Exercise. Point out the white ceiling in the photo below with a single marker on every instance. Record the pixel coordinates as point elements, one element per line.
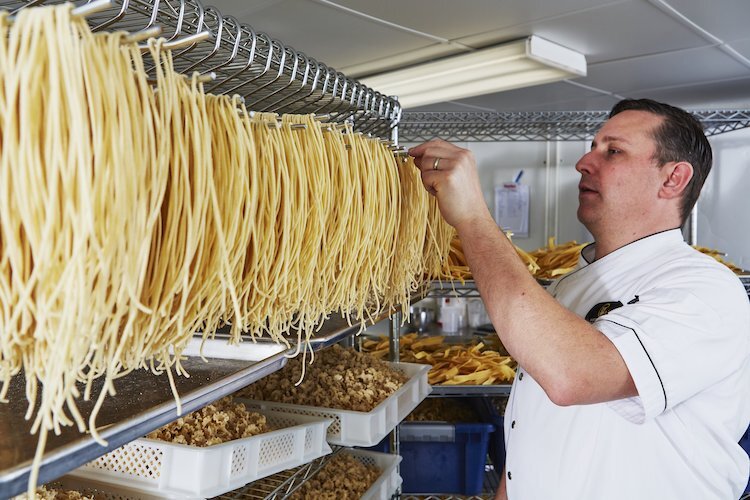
<point>691,53</point>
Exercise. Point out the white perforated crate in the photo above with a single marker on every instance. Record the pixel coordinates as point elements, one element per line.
<point>221,348</point>
<point>180,471</point>
<point>356,428</point>
<point>100,491</point>
<point>382,489</point>
<point>388,482</point>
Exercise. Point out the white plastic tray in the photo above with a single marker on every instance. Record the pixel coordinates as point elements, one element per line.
<point>382,489</point>
<point>389,481</point>
<point>356,428</point>
<point>172,470</point>
<point>99,490</point>
<point>246,350</point>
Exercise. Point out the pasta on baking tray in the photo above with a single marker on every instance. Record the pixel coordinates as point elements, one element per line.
<point>137,211</point>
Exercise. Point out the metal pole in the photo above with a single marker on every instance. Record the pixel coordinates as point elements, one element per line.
<point>394,331</point>
<point>694,225</point>
<point>394,343</point>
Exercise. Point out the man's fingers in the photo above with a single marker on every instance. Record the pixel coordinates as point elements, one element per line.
<point>430,181</point>
<point>425,155</point>
<point>417,151</point>
<point>432,162</point>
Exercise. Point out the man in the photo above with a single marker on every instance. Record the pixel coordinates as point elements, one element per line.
<point>634,370</point>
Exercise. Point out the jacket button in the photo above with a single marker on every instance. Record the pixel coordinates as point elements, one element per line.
<point>520,376</point>
<point>513,424</point>
<point>509,476</point>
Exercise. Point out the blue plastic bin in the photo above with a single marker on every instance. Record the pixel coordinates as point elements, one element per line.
<point>444,458</point>
<point>384,446</point>
<point>450,458</point>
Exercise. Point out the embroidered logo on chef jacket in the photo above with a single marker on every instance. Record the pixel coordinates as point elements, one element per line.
<point>603,308</point>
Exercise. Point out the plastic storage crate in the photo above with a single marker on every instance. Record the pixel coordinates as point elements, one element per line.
<point>444,458</point>
<point>283,484</point>
<point>356,428</point>
<point>382,489</point>
<point>172,470</point>
<point>386,485</point>
<point>221,348</point>
<point>100,491</point>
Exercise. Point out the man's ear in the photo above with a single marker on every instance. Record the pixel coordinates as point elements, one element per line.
<point>677,177</point>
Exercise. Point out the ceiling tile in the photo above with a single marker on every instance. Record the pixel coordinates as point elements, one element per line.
<point>615,31</point>
<point>729,94</point>
<point>742,46</point>
<point>665,70</point>
<point>632,46</point>
<point>559,96</point>
<point>452,19</point>
<point>724,19</point>
<point>331,36</point>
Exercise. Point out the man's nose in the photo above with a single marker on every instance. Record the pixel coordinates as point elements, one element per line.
<point>584,165</point>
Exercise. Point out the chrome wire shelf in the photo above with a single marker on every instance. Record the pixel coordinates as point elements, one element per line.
<point>268,74</point>
<point>144,403</point>
<point>536,126</point>
<point>453,289</point>
<point>280,485</point>
<point>467,288</point>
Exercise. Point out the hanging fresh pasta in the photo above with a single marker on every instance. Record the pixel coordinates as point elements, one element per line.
<point>137,212</point>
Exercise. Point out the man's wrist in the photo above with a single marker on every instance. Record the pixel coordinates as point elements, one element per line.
<point>475,222</point>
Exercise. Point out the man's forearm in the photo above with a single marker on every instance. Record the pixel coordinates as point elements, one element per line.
<point>509,291</point>
<point>573,362</point>
<point>564,353</point>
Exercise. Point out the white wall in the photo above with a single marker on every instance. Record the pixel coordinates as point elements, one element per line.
<point>549,188</point>
<point>724,205</point>
<point>499,162</point>
<point>723,209</point>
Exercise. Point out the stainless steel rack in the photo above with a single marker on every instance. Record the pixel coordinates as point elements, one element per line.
<point>282,484</point>
<point>268,74</point>
<point>453,289</point>
<point>335,329</point>
<point>465,289</point>
<point>144,402</point>
<point>535,126</point>
<point>271,77</point>
<point>462,391</point>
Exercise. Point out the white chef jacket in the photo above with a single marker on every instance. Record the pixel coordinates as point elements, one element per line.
<point>681,322</point>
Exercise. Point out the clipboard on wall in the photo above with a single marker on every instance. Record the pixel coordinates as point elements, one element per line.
<point>512,208</point>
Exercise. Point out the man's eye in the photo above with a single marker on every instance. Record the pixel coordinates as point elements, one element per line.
<point>613,151</point>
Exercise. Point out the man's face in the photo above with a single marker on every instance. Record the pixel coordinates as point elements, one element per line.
<point>619,177</point>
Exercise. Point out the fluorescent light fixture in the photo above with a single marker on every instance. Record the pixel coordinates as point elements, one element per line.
<point>522,63</point>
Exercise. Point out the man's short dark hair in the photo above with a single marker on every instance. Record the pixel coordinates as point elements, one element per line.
<point>680,137</point>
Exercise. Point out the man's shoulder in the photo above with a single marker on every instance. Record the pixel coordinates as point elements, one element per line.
<point>699,273</point>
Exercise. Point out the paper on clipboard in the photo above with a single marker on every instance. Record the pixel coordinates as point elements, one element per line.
<point>512,208</point>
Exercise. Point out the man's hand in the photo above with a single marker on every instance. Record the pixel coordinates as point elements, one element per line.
<point>450,173</point>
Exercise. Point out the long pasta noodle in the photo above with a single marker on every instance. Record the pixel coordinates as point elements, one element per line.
<point>137,212</point>
<point>338,236</point>
<point>408,263</point>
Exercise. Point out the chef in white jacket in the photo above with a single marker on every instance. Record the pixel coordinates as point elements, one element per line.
<point>634,369</point>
